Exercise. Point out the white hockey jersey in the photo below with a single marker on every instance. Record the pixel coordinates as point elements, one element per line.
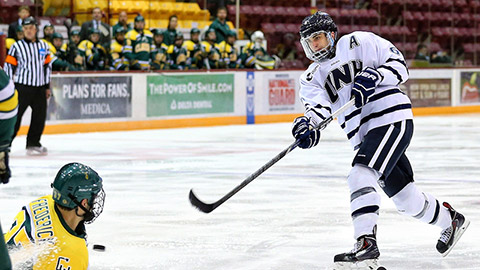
<point>326,86</point>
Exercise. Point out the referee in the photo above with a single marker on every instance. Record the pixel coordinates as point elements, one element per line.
<point>28,63</point>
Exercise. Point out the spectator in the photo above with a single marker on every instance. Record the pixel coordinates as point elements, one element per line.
<point>23,13</point>
<point>441,57</point>
<point>210,50</point>
<point>96,23</point>
<point>228,54</point>
<point>286,50</point>
<point>28,64</point>
<point>254,55</point>
<point>142,45</point>
<point>176,54</point>
<point>92,51</point>
<point>160,52</point>
<point>171,32</point>
<point>70,51</point>
<point>194,49</point>
<point>122,22</point>
<point>220,25</point>
<point>422,53</point>
<point>119,48</point>
<point>18,36</point>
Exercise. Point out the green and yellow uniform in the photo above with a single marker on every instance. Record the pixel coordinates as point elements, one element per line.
<point>94,55</point>
<point>8,109</point>
<point>5,262</point>
<point>118,25</point>
<point>9,42</point>
<point>70,53</point>
<point>40,223</point>
<point>211,53</point>
<point>256,57</point>
<point>169,36</point>
<point>177,57</point>
<point>160,61</point>
<point>118,54</point>
<point>142,49</point>
<point>195,54</point>
<point>228,55</point>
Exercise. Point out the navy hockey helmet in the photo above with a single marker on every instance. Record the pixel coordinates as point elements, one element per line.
<point>312,26</point>
<point>75,182</point>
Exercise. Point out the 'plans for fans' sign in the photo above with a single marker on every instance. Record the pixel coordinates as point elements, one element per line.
<point>281,94</point>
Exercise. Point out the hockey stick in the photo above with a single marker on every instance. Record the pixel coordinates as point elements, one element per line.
<point>209,207</point>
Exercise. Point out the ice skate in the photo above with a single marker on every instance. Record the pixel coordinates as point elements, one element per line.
<point>450,236</point>
<point>37,151</point>
<point>364,255</point>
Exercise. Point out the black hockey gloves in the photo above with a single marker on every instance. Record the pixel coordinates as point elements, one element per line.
<point>364,85</point>
<point>304,131</point>
<point>4,169</point>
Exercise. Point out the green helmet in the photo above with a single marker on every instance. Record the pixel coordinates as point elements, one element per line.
<point>75,182</point>
<point>231,33</point>
<point>94,31</point>
<point>194,31</point>
<point>48,25</point>
<point>139,18</point>
<point>178,35</point>
<point>57,35</point>
<point>75,32</point>
<point>157,32</point>
<point>120,30</point>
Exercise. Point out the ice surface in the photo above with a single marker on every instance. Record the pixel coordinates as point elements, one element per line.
<point>295,216</point>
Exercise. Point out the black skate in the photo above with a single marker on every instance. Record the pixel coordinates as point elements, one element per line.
<point>450,236</point>
<point>364,255</point>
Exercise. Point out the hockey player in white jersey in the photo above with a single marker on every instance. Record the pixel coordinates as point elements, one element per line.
<point>368,68</point>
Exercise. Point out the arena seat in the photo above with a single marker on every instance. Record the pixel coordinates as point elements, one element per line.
<point>280,28</point>
<point>246,10</point>
<point>82,5</point>
<point>281,11</point>
<point>117,6</point>
<point>268,28</point>
<point>469,47</point>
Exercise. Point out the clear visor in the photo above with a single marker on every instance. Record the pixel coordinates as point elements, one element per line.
<point>312,47</point>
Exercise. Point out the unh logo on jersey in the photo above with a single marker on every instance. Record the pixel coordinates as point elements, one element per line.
<point>341,76</point>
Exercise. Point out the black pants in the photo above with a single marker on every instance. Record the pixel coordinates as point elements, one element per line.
<point>36,98</point>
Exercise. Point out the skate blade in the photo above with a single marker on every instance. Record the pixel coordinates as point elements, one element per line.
<point>363,265</point>
<point>458,235</point>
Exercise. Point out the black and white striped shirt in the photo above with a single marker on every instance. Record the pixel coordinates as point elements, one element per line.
<point>28,63</point>
<point>326,86</point>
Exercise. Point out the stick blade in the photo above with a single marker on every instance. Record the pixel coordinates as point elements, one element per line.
<point>203,207</point>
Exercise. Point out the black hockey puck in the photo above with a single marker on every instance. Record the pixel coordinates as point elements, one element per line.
<point>99,247</point>
<point>381,268</point>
